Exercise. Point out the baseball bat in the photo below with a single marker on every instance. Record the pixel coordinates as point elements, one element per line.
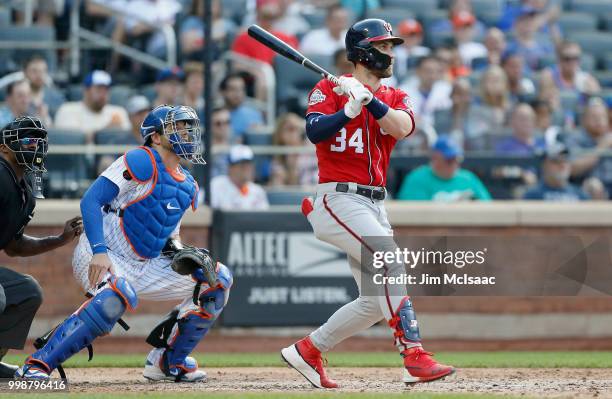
<point>269,40</point>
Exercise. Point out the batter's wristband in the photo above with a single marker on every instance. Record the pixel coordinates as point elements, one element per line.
<point>99,249</point>
<point>377,108</point>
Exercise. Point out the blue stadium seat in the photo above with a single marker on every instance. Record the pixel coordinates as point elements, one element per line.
<point>74,92</point>
<point>14,58</point>
<point>606,21</point>
<point>5,16</point>
<point>587,62</point>
<point>149,92</point>
<point>595,7</point>
<point>392,15</point>
<point>577,21</point>
<point>607,61</point>
<point>115,137</point>
<point>293,84</point>
<point>286,197</point>
<point>120,94</point>
<point>604,78</point>
<point>234,9</point>
<point>431,16</point>
<point>67,175</point>
<point>417,7</point>
<point>486,6</point>
<point>257,139</point>
<point>596,43</point>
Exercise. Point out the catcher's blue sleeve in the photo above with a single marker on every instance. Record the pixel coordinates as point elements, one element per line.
<point>320,127</point>
<point>100,193</point>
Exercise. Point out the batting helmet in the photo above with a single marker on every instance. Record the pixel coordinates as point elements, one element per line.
<point>359,39</point>
<point>26,137</point>
<point>181,125</point>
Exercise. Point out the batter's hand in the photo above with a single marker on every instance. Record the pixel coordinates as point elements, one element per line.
<point>345,85</point>
<point>361,94</point>
<point>72,229</point>
<point>99,265</point>
<point>352,108</point>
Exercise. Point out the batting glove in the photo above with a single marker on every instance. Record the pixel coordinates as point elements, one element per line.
<point>361,94</point>
<point>345,84</point>
<point>352,108</point>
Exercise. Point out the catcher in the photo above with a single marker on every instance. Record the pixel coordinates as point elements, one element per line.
<point>131,250</point>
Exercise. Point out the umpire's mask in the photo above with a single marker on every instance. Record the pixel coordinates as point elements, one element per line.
<point>26,137</point>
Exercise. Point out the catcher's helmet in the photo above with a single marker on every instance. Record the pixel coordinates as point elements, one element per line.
<point>26,137</point>
<point>185,137</point>
<point>359,39</point>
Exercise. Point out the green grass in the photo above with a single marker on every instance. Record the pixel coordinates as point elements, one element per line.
<point>263,395</point>
<point>367,359</point>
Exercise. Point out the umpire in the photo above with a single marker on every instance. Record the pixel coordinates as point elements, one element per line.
<point>23,148</point>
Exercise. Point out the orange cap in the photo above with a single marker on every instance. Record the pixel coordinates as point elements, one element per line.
<point>463,18</point>
<point>409,26</point>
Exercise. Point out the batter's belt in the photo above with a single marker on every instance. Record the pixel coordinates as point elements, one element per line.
<point>374,193</point>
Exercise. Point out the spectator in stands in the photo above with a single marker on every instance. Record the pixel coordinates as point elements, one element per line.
<point>327,40</point>
<point>545,121</point>
<point>236,190</point>
<point>291,21</point>
<point>589,146</point>
<point>93,113</point>
<point>522,89</point>
<point>595,189</point>
<point>408,53</point>
<point>495,43</point>
<point>221,133</point>
<point>464,33</point>
<point>46,99</point>
<point>268,12</point>
<point>443,179</point>
<point>523,141</point>
<point>457,6</point>
<point>191,33</point>
<point>428,92</point>
<point>44,11</point>
<point>342,65</point>
<point>455,121</point>
<point>456,67</point>
<point>491,107</point>
<point>169,86</point>
<point>18,102</point>
<point>546,19</point>
<point>292,169</point>
<point>534,49</point>
<point>137,108</point>
<point>244,118</point>
<point>193,95</point>
<point>567,76</point>
<point>555,173</point>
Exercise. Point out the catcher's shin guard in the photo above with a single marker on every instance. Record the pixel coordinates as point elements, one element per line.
<point>193,325</point>
<point>94,318</point>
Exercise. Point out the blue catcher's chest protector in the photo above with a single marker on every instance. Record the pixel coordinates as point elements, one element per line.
<point>148,222</point>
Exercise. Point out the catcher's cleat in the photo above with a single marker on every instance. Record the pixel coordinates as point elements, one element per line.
<point>420,367</point>
<point>31,372</point>
<point>306,359</point>
<point>156,370</point>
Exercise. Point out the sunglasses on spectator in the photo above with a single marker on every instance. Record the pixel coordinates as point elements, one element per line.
<point>223,122</point>
<point>568,58</point>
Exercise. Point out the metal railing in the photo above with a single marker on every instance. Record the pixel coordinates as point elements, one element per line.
<point>84,39</point>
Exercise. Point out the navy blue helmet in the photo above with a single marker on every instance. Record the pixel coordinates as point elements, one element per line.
<point>359,39</point>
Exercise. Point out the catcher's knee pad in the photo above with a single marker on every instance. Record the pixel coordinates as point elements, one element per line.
<point>94,318</point>
<point>404,323</point>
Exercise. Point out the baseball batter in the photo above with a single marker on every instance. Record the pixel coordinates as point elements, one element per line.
<point>355,126</point>
<point>131,215</point>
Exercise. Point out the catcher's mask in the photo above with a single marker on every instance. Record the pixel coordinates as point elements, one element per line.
<point>181,125</point>
<point>26,137</point>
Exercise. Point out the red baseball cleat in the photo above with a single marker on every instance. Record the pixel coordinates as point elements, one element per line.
<point>306,359</point>
<point>420,367</point>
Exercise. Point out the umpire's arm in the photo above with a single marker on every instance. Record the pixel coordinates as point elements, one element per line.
<point>25,245</point>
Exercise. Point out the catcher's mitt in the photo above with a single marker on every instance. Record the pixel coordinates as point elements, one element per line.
<point>197,262</point>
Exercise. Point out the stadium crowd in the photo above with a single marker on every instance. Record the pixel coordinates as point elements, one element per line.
<point>491,82</point>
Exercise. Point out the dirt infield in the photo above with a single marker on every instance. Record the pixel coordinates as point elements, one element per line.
<point>561,383</point>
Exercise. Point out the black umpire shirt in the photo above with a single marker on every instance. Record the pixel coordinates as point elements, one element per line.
<point>16,204</point>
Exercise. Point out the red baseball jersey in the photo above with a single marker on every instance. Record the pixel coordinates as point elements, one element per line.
<point>360,151</point>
